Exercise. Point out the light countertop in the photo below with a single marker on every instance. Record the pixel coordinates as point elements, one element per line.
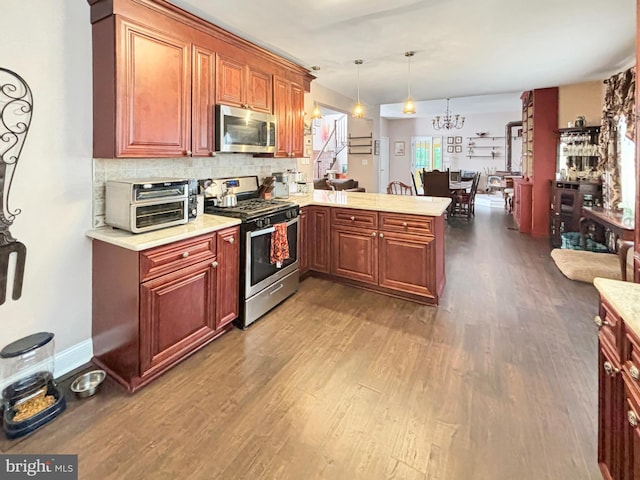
<point>142,241</point>
<point>624,297</point>
<point>380,202</point>
<point>414,205</point>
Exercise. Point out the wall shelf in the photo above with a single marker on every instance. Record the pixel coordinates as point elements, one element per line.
<point>360,142</point>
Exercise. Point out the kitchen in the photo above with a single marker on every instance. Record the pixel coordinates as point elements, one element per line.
<point>64,169</point>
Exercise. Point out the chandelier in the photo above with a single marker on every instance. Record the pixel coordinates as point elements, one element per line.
<point>448,122</point>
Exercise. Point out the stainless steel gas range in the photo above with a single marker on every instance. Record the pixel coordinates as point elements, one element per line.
<point>263,283</point>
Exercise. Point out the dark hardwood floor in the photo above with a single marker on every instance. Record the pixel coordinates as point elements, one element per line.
<point>498,383</point>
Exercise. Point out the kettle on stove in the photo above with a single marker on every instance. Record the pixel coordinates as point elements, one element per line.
<point>229,198</point>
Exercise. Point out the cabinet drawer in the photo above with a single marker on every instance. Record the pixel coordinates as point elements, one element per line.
<point>610,326</point>
<point>394,222</point>
<point>167,258</point>
<point>631,359</point>
<point>354,218</point>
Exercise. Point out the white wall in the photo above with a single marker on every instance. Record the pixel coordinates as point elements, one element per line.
<point>49,44</point>
<point>405,129</point>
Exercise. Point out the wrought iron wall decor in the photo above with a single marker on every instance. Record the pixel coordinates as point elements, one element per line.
<point>16,106</point>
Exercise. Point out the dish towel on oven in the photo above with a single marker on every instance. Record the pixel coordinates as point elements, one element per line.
<point>279,245</point>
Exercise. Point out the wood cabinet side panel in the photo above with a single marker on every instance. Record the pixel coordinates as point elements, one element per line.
<point>104,88</point>
<point>297,120</point>
<point>228,276</point>
<point>281,108</point>
<point>115,308</point>
<point>303,232</point>
<point>203,101</point>
<point>319,239</point>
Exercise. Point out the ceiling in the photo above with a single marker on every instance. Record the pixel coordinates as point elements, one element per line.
<point>463,47</point>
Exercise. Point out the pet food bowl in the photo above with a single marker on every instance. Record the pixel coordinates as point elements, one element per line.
<point>87,384</point>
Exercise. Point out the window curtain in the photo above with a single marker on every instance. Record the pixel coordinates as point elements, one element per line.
<point>619,99</point>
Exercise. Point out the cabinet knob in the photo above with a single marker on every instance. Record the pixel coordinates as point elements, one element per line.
<point>634,372</point>
<point>632,418</point>
<point>214,264</point>
<point>599,322</point>
<point>352,218</point>
<point>404,224</point>
<point>185,254</point>
<point>231,239</point>
<point>187,153</point>
<point>373,234</point>
<point>610,369</point>
<point>382,235</point>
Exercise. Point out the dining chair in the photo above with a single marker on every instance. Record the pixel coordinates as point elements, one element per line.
<point>436,183</point>
<point>455,176</point>
<point>399,188</point>
<point>464,202</point>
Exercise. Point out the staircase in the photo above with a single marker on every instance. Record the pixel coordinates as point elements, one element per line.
<point>326,158</point>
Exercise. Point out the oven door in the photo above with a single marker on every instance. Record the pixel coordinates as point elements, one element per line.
<point>260,272</point>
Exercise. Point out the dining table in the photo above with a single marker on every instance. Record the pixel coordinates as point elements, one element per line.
<point>454,187</point>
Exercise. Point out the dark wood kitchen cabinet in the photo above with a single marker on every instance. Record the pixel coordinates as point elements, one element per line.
<point>303,242</point>
<point>407,241</point>
<point>241,85</point>
<point>228,250</point>
<point>157,99</point>
<point>153,308</point>
<point>288,104</point>
<point>158,72</point>
<point>392,253</point>
<point>354,245</point>
<point>618,386</point>
<point>319,239</point>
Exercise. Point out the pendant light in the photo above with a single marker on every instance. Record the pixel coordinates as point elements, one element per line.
<point>409,107</point>
<point>315,113</point>
<point>358,109</point>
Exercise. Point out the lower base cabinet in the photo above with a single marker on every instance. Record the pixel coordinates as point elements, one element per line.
<point>153,308</point>
<point>397,254</point>
<point>618,397</point>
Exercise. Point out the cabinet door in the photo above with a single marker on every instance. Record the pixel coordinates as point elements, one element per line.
<point>319,241</point>
<point>259,91</point>
<point>176,315</point>
<point>303,254</point>
<point>202,101</point>
<point>631,432</point>
<point>230,82</point>
<point>610,414</point>
<point>282,109</point>
<point>407,263</point>
<point>355,254</point>
<point>296,134</point>
<point>228,276</point>
<point>154,93</point>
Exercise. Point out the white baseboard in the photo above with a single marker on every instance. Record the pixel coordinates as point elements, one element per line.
<point>73,357</point>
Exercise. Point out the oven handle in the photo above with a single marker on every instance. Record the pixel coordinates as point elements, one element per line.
<point>264,231</point>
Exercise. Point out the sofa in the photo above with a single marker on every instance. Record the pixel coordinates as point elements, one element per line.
<point>346,184</point>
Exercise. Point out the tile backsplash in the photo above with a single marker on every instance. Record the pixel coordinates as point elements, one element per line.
<point>222,165</point>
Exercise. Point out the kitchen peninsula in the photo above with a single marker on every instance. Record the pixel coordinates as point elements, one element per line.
<point>390,244</point>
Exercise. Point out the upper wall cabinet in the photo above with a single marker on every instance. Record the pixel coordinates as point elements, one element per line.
<point>241,85</point>
<point>158,72</point>
<point>159,100</point>
<point>288,106</point>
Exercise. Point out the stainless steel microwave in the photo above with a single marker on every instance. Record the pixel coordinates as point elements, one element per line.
<point>242,130</point>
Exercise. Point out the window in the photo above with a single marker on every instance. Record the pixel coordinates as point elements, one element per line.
<point>426,154</point>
